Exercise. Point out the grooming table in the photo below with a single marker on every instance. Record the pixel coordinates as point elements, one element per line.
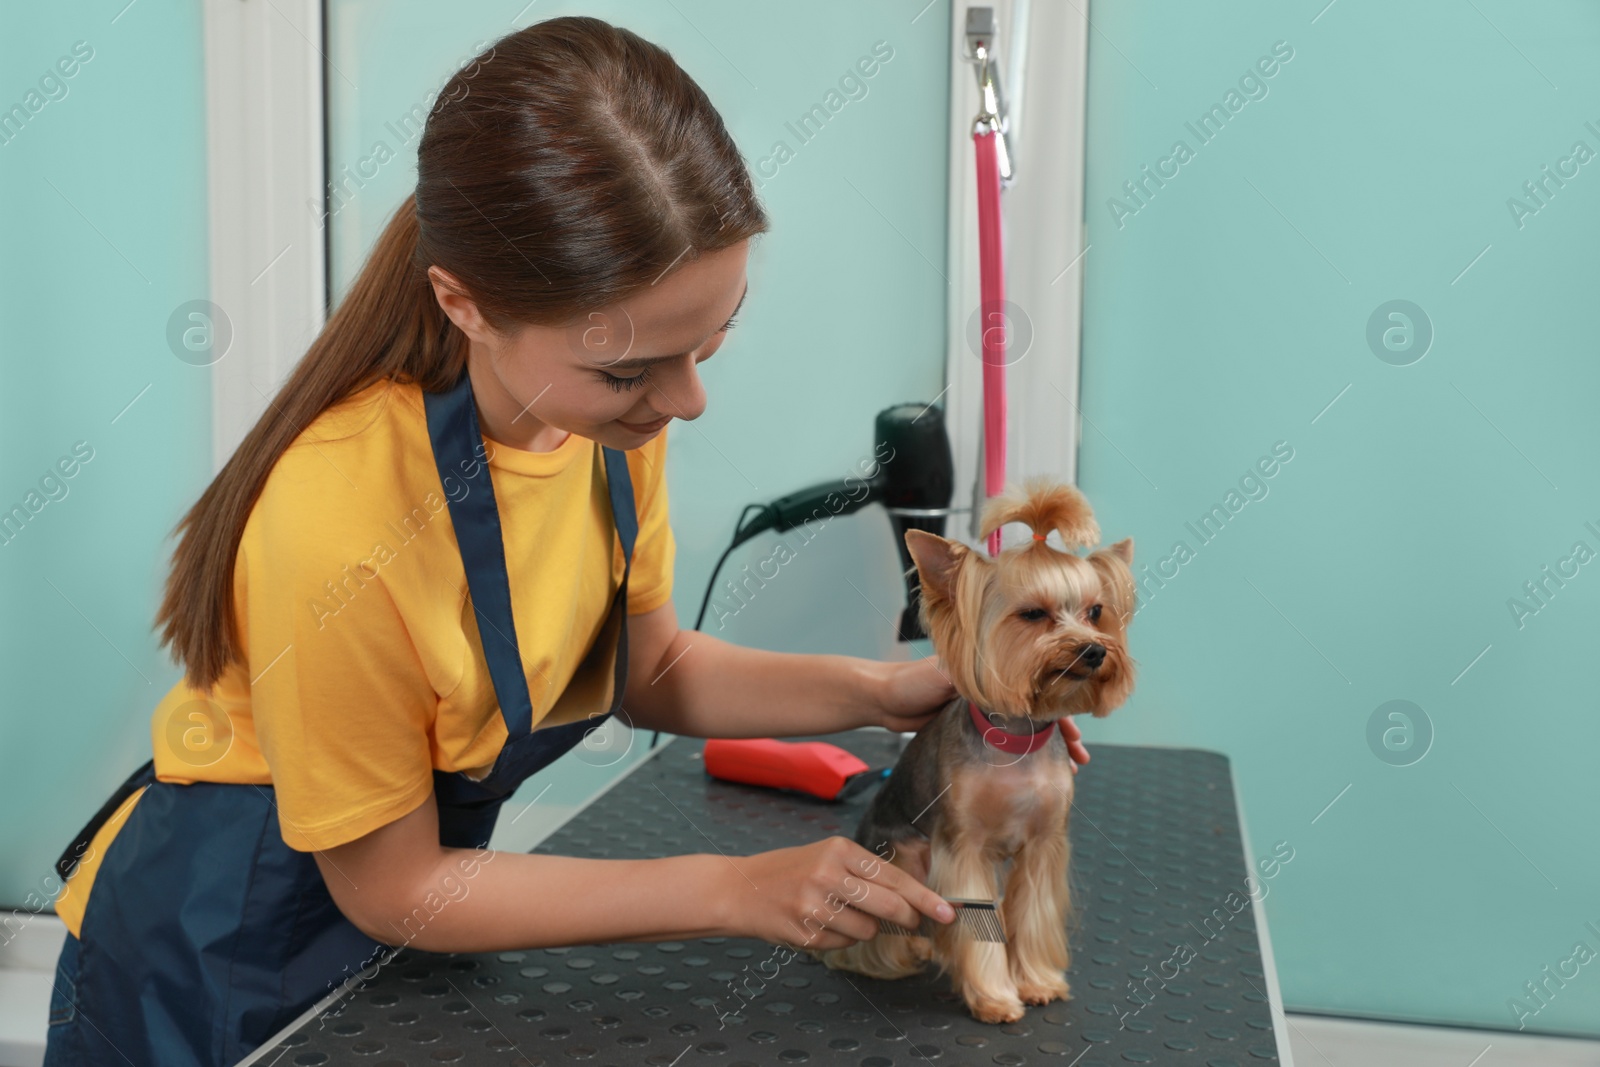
<point>1156,851</point>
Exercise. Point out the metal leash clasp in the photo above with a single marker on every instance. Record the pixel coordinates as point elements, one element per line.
<point>992,116</point>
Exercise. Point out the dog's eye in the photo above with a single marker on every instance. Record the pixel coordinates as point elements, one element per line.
<point>1033,614</point>
<point>1094,613</point>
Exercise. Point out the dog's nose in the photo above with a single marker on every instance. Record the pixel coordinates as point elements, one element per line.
<point>1092,655</point>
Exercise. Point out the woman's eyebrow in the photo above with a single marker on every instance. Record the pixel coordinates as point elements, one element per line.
<point>644,361</point>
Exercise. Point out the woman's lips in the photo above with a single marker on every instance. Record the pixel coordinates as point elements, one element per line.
<point>645,427</point>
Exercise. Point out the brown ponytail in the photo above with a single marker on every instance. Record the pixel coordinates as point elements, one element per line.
<point>561,171</point>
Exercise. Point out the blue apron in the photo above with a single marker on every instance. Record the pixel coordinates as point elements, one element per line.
<point>205,934</point>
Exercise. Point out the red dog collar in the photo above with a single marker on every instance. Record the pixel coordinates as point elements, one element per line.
<point>1020,744</point>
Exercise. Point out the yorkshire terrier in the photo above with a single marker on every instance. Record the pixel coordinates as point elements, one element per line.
<point>1028,638</point>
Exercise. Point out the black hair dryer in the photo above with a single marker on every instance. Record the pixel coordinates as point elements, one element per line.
<point>918,484</point>
<point>914,481</point>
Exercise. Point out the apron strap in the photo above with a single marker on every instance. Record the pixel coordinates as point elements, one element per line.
<point>459,453</point>
<point>68,863</point>
<point>620,484</point>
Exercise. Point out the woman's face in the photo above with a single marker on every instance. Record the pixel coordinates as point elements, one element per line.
<point>616,377</point>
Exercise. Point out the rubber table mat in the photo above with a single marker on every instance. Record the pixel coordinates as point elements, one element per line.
<point>1163,969</point>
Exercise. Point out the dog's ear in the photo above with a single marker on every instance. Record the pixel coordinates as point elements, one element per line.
<point>1113,683</point>
<point>1117,585</point>
<point>938,562</point>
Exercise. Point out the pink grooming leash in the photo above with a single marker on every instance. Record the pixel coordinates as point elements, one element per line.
<point>991,271</point>
<point>994,167</point>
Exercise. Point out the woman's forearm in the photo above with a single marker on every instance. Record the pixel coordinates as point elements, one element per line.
<point>713,688</point>
<point>487,901</point>
<point>400,887</point>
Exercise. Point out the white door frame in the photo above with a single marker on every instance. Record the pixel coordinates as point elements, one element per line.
<point>1043,52</point>
<point>266,156</point>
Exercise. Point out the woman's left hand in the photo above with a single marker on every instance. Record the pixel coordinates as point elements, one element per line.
<point>1075,746</point>
<point>912,693</point>
<point>915,691</point>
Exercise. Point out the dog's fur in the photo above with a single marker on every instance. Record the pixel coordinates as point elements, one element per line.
<point>1015,635</point>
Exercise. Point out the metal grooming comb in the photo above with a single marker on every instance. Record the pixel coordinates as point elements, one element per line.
<point>977,917</point>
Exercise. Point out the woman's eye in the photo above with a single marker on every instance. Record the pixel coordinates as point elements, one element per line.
<point>618,384</point>
<point>1094,613</point>
<point>730,324</point>
<point>1033,614</point>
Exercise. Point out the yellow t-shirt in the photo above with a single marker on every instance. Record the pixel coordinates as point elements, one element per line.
<point>364,670</point>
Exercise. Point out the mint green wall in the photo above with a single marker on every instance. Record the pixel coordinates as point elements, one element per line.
<point>1226,314</point>
<point>103,237</point>
<point>1223,316</point>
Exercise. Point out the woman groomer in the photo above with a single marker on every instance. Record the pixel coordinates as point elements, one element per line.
<point>440,558</point>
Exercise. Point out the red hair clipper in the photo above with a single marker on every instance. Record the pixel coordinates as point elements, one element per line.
<point>815,768</point>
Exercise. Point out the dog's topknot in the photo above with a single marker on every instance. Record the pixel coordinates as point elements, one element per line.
<point>1044,505</point>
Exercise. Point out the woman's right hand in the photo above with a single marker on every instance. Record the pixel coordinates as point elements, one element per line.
<point>828,894</point>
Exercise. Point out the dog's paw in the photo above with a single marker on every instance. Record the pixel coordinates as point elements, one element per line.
<point>1044,992</point>
<point>987,1008</point>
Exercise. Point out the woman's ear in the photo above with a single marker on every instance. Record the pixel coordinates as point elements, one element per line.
<point>458,306</point>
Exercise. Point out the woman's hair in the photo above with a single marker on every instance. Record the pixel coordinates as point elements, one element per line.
<point>563,170</point>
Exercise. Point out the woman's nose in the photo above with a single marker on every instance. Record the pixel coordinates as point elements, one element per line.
<point>681,392</point>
